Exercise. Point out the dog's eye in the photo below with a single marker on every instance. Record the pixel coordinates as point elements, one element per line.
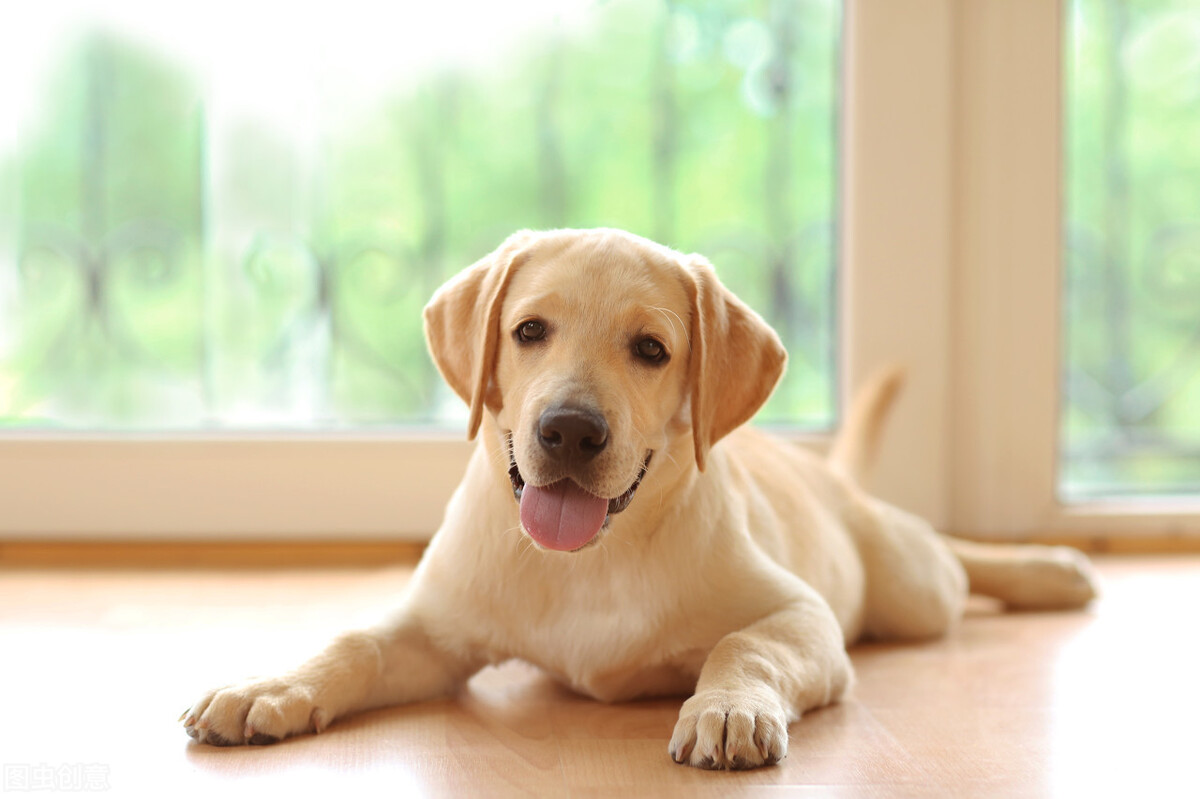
<point>651,350</point>
<point>532,330</point>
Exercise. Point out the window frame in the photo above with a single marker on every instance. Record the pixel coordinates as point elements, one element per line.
<point>951,260</point>
<point>980,265</point>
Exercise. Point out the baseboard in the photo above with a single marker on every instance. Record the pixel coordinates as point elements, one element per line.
<point>193,554</point>
<point>354,553</point>
<point>1097,544</point>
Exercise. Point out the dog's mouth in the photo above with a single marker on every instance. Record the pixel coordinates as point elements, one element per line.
<point>562,515</point>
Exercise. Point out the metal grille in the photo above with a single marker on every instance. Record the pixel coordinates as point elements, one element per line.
<point>1131,422</point>
<point>176,262</point>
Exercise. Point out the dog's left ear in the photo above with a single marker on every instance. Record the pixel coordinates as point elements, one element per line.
<point>736,360</point>
<point>462,325</point>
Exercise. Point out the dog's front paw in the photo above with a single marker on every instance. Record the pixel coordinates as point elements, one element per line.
<point>730,729</point>
<point>253,712</point>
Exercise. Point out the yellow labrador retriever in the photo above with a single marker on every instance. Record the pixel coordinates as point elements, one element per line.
<point>619,527</point>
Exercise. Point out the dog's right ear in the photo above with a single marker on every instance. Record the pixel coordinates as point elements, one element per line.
<point>462,325</point>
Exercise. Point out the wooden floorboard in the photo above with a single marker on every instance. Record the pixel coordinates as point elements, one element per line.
<point>96,665</point>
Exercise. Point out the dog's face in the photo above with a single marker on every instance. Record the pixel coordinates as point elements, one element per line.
<point>593,351</point>
<point>592,366</point>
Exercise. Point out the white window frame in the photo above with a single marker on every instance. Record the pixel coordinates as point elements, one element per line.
<point>953,241</point>
<point>951,256</point>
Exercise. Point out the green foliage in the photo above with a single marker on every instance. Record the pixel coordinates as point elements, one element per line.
<point>179,268</point>
<point>164,263</point>
<point>1132,421</point>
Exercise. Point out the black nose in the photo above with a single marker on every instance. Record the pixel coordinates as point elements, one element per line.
<point>569,433</point>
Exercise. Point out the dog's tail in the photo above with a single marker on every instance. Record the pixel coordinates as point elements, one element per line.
<point>854,449</point>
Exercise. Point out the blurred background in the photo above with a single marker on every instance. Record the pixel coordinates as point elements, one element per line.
<point>234,220</point>
<point>230,218</point>
<point>1131,315</point>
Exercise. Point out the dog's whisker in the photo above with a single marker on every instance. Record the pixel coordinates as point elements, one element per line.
<point>525,546</point>
<point>505,447</point>
<point>671,318</point>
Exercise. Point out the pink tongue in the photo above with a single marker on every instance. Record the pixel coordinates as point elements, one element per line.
<point>562,516</point>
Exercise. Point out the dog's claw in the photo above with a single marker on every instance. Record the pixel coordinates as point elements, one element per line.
<point>256,712</point>
<point>727,730</point>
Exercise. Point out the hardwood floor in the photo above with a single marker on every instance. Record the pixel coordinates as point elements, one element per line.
<point>95,666</point>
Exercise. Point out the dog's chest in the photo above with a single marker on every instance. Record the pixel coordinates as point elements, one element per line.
<point>612,636</point>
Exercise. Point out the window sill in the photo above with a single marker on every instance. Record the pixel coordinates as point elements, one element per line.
<point>255,486</point>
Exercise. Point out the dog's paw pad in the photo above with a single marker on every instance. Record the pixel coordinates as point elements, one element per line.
<point>261,739</point>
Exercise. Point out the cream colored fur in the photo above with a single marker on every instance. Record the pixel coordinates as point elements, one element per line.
<point>740,570</point>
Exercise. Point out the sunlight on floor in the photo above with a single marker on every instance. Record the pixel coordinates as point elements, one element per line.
<point>1125,694</point>
<point>98,666</point>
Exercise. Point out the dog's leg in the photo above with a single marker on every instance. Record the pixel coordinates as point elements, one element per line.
<point>758,680</point>
<point>1026,576</point>
<point>916,588</point>
<point>390,664</point>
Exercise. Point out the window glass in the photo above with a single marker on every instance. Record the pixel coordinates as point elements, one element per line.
<point>232,218</point>
<point>1131,380</point>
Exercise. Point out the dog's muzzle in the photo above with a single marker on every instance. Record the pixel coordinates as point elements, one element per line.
<point>562,515</point>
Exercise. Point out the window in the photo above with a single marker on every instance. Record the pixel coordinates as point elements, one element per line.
<point>1132,248</point>
<point>1049,351</point>
<point>955,245</point>
<point>233,222</point>
<point>217,231</point>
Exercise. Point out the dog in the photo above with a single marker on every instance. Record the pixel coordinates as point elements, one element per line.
<point>621,527</point>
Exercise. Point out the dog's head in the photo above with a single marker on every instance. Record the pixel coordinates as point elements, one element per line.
<point>598,354</point>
